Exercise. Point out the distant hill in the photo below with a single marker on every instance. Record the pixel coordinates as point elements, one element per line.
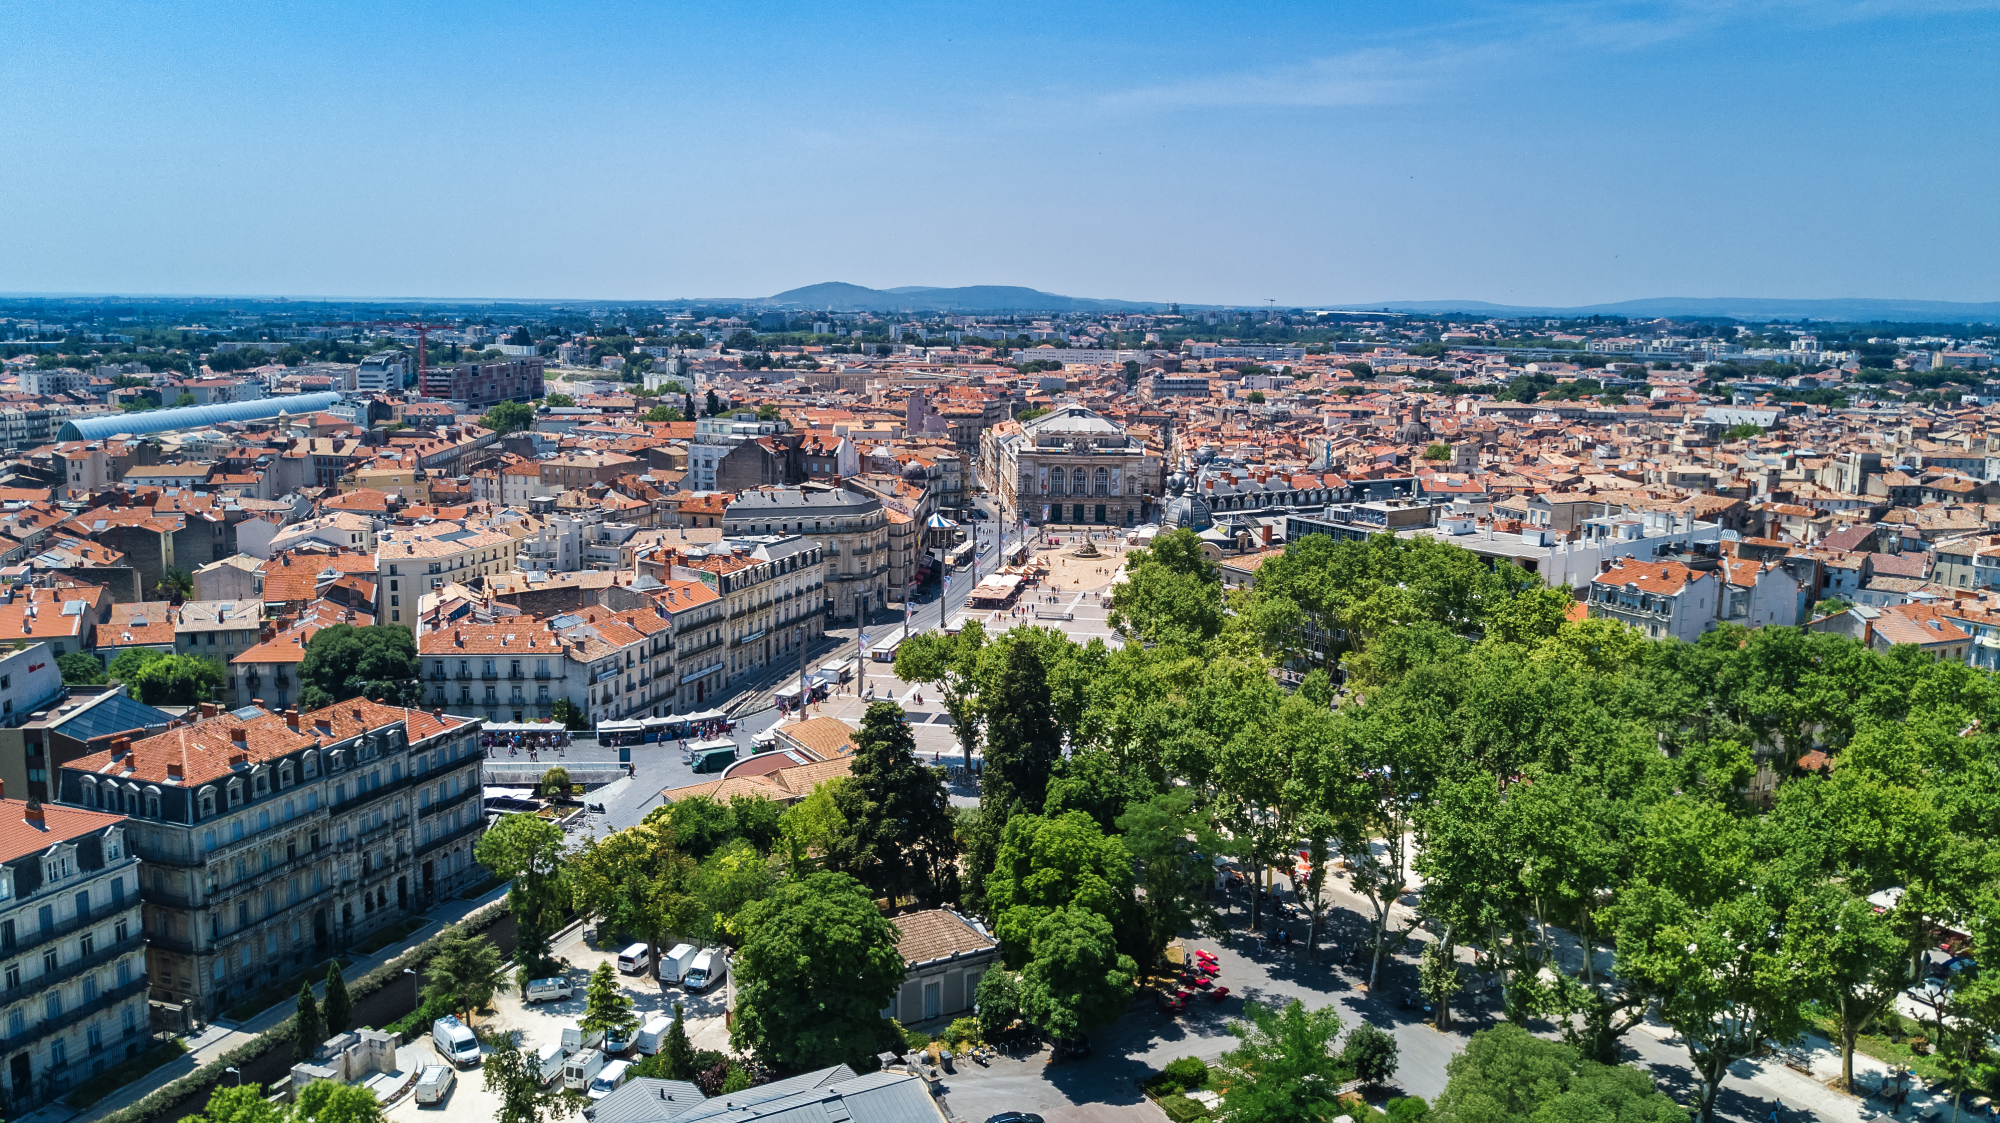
<point>839,296</point>
<point>1856,309</point>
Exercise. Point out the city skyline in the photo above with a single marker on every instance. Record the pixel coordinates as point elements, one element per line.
<point>1519,154</point>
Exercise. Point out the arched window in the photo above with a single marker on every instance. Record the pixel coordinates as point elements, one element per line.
<point>207,803</point>
<point>152,803</point>
<point>1103,482</point>
<point>262,781</point>
<point>1078,482</point>
<point>1056,482</point>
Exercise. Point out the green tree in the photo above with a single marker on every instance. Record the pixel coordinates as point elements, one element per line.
<point>1831,606</point>
<point>1437,450</point>
<point>1076,978</point>
<point>949,663</point>
<point>700,825</point>
<point>727,882</point>
<point>664,413</point>
<point>1167,839</point>
<point>1742,432</point>
<point>377,661</point>
<point>606,1008</point>
<point>1023,739</point>
<point>812,978</point>
<point>329,1101</point>
<point>714,404</point>
<point>80,668</point>
<point>242,1103</point>
<point>678,1050</point>
<point>1257,397</point>
<point>906,834</point>
<point>1172,593</point>
<point>559,401</point>
<point>815,831</point>
<point>184,400</point>
<point>999,1001</point>
<point>1283,1068</point>
<point>570,715</point>
<point>1369,1054</point>
<point>767,412</point>
<point>508,417</point>
<point>177,583</point>
<point>1046,865</point>
<point>527,851</point>
<point>1861,960</point>
<point>159,678</point>
<point>636,881</point>
<point>1507,1075</point>
<point>555,782</point>
<point>464,973</point>
<point>339,1009</point>
<point>309,1028</point>
<point>517,1079</point>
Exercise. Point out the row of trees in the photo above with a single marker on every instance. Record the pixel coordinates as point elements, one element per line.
<point>1561,784</point>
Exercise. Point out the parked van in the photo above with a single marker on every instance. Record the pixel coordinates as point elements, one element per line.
<point>675,963</point>
<point>618,1041</point>
<point>609,1079</point>
<point>573,1040</point>
<point>547,990</point>
<point>582,1069</point>
<point>706,971</point>
<point>434,1083</point>
<point>634,959</point>
<point>549,1062</point>
<point>454,1041</point>
<point>653,1035</point>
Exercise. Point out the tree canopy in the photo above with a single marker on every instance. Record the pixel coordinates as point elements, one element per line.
<point>374,661</point>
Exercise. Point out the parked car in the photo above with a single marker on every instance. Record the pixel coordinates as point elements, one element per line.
<point>547,990</point>
<point>635,959</point>
<point>582,1068</point>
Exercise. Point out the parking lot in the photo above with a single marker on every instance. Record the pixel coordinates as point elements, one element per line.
<point>542,1024</point>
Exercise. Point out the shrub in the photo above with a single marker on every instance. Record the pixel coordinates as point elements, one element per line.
<point>914,1041</point>
<point>962,1033</point>
<point>1407,1109</point>
<point>1370,1054</point>
<point>1188,1072</point>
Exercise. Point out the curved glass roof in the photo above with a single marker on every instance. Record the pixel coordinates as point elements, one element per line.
<point>148,422</point>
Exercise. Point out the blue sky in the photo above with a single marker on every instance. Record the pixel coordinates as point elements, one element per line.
<point>1534,153</point>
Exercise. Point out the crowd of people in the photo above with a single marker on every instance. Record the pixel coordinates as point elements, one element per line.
<point>532,743</point>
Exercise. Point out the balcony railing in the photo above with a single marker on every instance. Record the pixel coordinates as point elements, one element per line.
<point>25,941</point>
<point>111,950</point>
<point>72,1016</point>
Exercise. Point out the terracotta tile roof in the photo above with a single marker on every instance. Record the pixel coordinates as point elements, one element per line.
<point>295,576</point>
<point>824,737</point>
<point>20,836</point>
<point>203,751</point>
<point>785,785</point>
<point>1668,578</point>
<point>937,934</point>
<point>139,624</point>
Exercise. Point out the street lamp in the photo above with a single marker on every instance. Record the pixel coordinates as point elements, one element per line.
<point>416,990</point>
<point>238,1074</point>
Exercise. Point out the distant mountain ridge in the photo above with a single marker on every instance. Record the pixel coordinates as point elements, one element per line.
<point>839,296</point>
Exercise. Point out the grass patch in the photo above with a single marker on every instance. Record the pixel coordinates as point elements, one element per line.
<point>1180,1109</point>
<point>270,996</point>
<point>112,1079</point>
<point>395,933</point>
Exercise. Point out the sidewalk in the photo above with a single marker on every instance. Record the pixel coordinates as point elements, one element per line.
<point>221,1036</point>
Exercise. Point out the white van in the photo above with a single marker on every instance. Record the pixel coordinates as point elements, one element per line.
<point>454,1041</point>
<point>675,963</point>
<point>573,1040</point>
<point>653,1035</point>
<point>434,1083</point>
<point>608,1079</point>
<point>547,990</point>
<point>549,1063</point>
<point>582,1069</point>
<point>618,1041</point>
<point>707,970</point>
<point>634,959</point>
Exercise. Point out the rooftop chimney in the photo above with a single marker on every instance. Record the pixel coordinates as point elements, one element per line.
<point>208,709</point>
<point>34,815</point>
<point>175,771</point>
<point>292,720</point>
<point>120,746</point>
<point>240,734</point>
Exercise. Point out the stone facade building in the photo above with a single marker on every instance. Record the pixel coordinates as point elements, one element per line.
<point>1070,466</point>
<point>270,840</point>
<point>850,527</point>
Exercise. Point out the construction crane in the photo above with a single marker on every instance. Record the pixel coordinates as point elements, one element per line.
<point>423,350</point>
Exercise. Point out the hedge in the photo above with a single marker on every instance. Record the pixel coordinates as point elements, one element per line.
<point>280,1035</point>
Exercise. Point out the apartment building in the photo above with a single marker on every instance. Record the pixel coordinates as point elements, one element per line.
<point>1660,598</point>
<point>850,527</point>
<point>412,561</point>
<point>71,948</point>
<point>271,840</point>
<point>773,592</point>
<point>479,385</point>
